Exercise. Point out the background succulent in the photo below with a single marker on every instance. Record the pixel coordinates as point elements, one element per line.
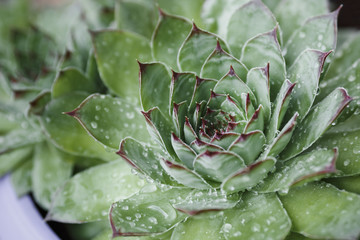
<point>250,145</point>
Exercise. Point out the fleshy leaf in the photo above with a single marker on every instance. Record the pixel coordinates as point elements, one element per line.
<point>349,149</point>
<point>144,158</point>
<point>217,166</point>
<point>256,122</point>
<point>303,38</point>
<point>248,146</point>
<point>66,133</point>
<point>182,87</point>
<point>265,49</point>
<point>136,16</point>
<point>21,178</point>
<point>248,177</point>
<point>184,176</point>
<point>169,34</point>
<point>71,80</point>
<point>199,201</point>
<point>196,49</point>
<point>210,224</point>
<point>350,183</point>
<point>116,54</point>
<point>50,170</point>
<point>279,110</point>
<point>149,211</point>
<point>305,72</point>
<point>256,217</point>
<point>259,83</point>
<point>97,113</point>
<point>156,77</point>
<point>291,14</point>
<point>20,137</point>
<point>6,93</point>
<point>224,140</point>
<point>244,24</point>
<point>331,214</point>
<point>84,198</point>
<point>316,122</point>
<point>183,151</point>
<point>11,159</point>
<point>314,164</point>
<point>218,64</point>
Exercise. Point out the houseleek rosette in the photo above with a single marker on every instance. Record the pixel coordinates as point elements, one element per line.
<point>247,138</point>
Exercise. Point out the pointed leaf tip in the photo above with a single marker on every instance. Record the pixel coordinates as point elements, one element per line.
<point>231,71</point>
<point>72,113</point>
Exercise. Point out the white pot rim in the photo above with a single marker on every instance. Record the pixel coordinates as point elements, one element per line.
<point>19,218</point>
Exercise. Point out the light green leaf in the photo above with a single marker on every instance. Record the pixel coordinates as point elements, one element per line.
<point>331,214</point>
<point>66,133</point>
<point>144,158</point>
<point>218,64</point>
<point>149,211</point>
<point>259,83</point>
<point>183,151</point>
<point>265,49</point>
<point>279,109</point>
<point>244,24</point>
<point>84,198</point>
<point>50,170</point>
<point>116,54</point>
<point>136,16</point>
<point>325,27</point>
<point>97,113</point>
<point>71,80</point>
<point>210,224</point>
<point>217,166</point>
<point>21,178</point>
<point>182,87</point>
<point>317,163</point>
<point>6,93</point>
<point>257,217</point>
<point>248,146</point>
<point>291,14</point>
<point>256,122</point>
<point>184,176</point>
<point>196,48</point>
<point>168,36</point>
<point>11,159</point>
<point>305,72</point>
<point>316,122</point>
<point>249,177</point>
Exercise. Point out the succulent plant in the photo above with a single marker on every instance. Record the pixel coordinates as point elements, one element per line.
<point>253,122</point>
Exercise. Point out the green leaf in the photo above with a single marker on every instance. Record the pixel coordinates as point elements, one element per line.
<point>317,163</point>
<point>136,16</point>
<point>6,94</point>
<point>349,149</point>
<point>258,216</point>
<point>11,159</point>
<point>217,166</point>
<point>21,178</point>
<point>331,214</point>
<point>184,176</point>
<point>97,113</point>
<point>84,198</point>
<point>282,139</point>
<point>71,80</point>
<point>199,201</point>
<point>350,183</point>
<point>291,14</point>
<point>182,87</point>
<point>116,54</point>
<point>66,133</point>
<point>279,109</point>
<point>183,151</point>
<point>249,176</point>
<point>218,64</point>
<point>265,49</point>
<point>224,140</point>
<point>196,48</point>
<point>248,146</point>
<point>144,158</point>
<point>305,72</point>
<point>248,17</point>
<point>170,33</point>
<point>149,211</point>
<point>210,224</point>
<point>256,122</point>
<point>325,27</point>
<point>50,170</point>
<point>37,105</point>
<point>316,122</point>
<point>188,8</point>
<point>259,83</point>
